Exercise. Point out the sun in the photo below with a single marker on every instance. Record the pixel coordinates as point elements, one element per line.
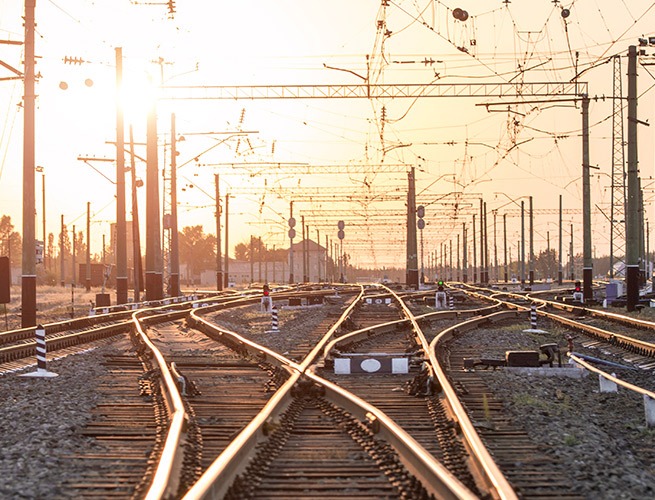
<point>136,95</point>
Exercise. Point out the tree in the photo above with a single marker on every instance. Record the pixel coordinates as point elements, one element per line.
<point>242,251</point>
<point>10,242</point>
<point>547,264</point>
<point>197,250</point>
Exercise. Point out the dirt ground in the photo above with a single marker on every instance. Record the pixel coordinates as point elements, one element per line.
<point>53,303</point>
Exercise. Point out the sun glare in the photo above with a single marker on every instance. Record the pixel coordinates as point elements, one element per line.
<point>136,97</point>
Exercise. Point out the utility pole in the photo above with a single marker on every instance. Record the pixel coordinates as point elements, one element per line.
<point>327,279</point>
<point>219,266</point>
<point>227,259</point>
<point>632,211</point>
<point>475,264</point>
<point>260,251</point>
<point>87,281</point>
<point>506,273</point>
<point>28,279</point>
<point>411,279</point>
<point>174,278</point>
<point>252,259</point>
<point>136,235</point>
<point>587,269</point>
<point>154,271</point>
<point>318,254</point>
<point>74,278</point>
<point>483,246</point>
<point>531,263</point>
<point>450,256</point>
<point>486,245</point>
<point>572,260</point>
<point>617,213</point>
<point>121,232</point>
<point>305,251</point>
<point>560,271</point>
<point>62,262</point>
<point>458,261</point>
<point>292,233</point>
<point>495,212</point>
<point>465,275</point>
<point>522,243</point>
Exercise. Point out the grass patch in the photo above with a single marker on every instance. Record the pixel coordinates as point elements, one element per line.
<point>570,440</point>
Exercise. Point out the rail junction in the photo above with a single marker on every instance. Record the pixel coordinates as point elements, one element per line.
<point>364,391</point>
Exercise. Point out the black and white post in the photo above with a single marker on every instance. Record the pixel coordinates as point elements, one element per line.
<point>533,320</point>
<point>274,320</point>
<point>41,370</point>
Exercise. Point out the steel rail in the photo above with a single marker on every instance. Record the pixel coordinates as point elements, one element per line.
<point>364,333</point>
<point>488,471</point>
<point>435,477</point>
<point>617,381</point>
<point>13,352</point>
<point>624,341</point>
<point>215,481</point>
<point>166,479</point>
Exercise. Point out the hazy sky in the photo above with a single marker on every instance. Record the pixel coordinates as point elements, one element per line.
<point>462,151</point>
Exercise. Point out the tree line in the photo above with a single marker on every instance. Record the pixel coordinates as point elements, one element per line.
<point>198,251</point>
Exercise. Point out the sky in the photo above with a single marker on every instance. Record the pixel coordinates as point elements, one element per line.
<point>336,159</point>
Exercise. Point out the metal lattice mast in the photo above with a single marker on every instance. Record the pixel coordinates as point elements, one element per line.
<point>617,214</point>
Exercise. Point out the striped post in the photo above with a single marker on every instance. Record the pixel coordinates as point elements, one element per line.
<point>533,316</point>
<point>274,323</point>
<point>451,302</point>
<point>40,356</point>
<point>40,348</point>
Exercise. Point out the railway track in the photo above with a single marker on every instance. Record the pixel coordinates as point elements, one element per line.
<point>373,456</point>
<point>222,396</point>
<point>540,475</point>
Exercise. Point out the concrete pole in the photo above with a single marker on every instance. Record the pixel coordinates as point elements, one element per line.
<point>464,255</point>
<point>475,261</point>
<point>560,271</point>
<point>219,260</point>
<point>74,277</point>
<point>136,234</point>
<point>28,279</point>
<point>252,259</point>
<point>318,254</point>
<point>483,275</point>
<point>326,258</point>
<point>531,256</point>
<point>486,244</point>
<point>572,260</point>
<point>304,250</point>
<point>174,279</point>
<point>522,243</point>
<point>587,271</point>
<point>458,274</point>
<point>505,246</point>
<point>411,278</point>
<point>62,268</point>
<point>227,233</point>
<point>87,280</point>
<point>496,277</point>
<point>154,261</point>
<point>291,281</point>
<point>260,251</point>
<point>121,232</point>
